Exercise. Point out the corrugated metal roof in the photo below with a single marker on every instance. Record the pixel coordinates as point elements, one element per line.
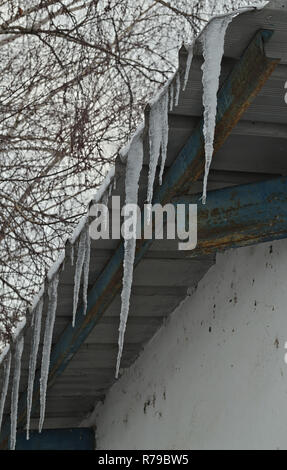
<point>164,275</point>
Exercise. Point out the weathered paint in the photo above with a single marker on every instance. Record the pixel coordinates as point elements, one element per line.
<point>57,439</point>
<point>214,376</point>
<point>236,94</point>
<point>242,215</point>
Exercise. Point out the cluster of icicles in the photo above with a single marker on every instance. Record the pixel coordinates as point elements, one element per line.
<point>158,140</point>
<point>81,273</point>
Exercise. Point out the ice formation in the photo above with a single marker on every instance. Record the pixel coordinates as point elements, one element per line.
<point>82,266</point>
<point>78,230</point>
<point>164,140</point>
<point>124,152</point>
<point>78,272</point>
<point>72,255</point>
<point>6,377</point>
<point>177,89</point>
<point>188,64</point>
<point>37,298</point>
<point>37,320</point>
<point>56,266</point>
<point>158,139</point>
<point>4,353</point>
<point>105,200</point>
<point>110,190</point>
<point>86,269</point>
<point>48,335</point>
<point>171,97</point>
<point>15,391</point>
<point>213,48</point>
<point>133,170</point>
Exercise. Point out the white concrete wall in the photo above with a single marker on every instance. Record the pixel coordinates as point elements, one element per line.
<point>214,376</point>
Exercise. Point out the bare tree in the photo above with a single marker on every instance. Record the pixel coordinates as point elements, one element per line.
<point>74,78</point>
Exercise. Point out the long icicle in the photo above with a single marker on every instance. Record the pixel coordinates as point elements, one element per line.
<point>78,272</point>
<point>164,134</point>
<point>133,170</point>
<point>48,336</point>
<point>154,145</point>
<point>37,320</point>
<point>177,89</point>
<point>188,64</point>
<point>6,376</point>
<point>72,255</point>
<point>171,97</point>
<point>158,140</point>
<point>86,269</point>
<point>213,49</point>
<point>15,391</point>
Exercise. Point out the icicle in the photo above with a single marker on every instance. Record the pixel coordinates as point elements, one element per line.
<point>158,138</point>
<point>133,170</point>
<point>110,190</point>
<point>155,143</point>
<point>6,376</point>
<point>188,64</point>
<point>164,141</point>
<point>37,319</point>
<point>213,49</point>
<point>105,202</point>
<point>15,391</point>
<point>177,90</point>
<point>48,336</point>
<point>171,97</point>
<point>78,272</point>
<point>86,269</point>
<point>72,255</point>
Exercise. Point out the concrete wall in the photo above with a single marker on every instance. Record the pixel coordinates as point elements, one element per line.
<point>214,376</point>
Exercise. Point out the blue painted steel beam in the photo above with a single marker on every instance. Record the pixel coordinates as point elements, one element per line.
<point>243,84</point>
<point>240,216</point>
<point>57,439</point>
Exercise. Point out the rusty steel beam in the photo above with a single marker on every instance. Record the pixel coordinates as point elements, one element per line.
<point>240,216</point>
<point>236,94</point>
